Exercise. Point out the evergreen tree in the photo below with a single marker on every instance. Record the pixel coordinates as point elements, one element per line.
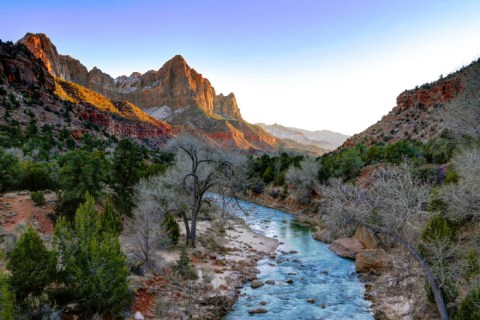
<point>127,168</point>
<point>31,265</point>
<point>111,221</point>
<point>93,265</point>
<point>81,172</point>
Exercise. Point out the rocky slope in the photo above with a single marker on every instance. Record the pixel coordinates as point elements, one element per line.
<point>29,89</point>
<point>425,112</point>
<point>175,93</point>
<point>323,139</point>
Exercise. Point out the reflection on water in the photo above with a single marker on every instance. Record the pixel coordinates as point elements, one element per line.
<point>316,272</point>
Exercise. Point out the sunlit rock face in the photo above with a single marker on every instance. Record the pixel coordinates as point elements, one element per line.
<point>165,94</point>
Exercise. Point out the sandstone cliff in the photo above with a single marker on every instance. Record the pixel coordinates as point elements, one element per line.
<point>63,104</point>
<point>169,91</point>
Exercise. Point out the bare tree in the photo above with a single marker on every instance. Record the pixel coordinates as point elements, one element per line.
<point>199,168</point>
<point>391,205</point>
<point>146,233</point>
<point>462,115</point>
<point>463,199</point>
<point>304,179</point>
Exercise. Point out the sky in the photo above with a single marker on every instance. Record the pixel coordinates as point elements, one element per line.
<point>312,64</point>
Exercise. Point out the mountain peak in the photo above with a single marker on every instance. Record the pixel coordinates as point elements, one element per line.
<point>42,47</point>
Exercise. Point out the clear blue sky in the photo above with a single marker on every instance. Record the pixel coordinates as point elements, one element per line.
<point>314,64</point>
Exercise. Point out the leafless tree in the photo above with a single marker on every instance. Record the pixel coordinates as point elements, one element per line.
<point>145,231</point>
<point>304,179</point>
<point>198,169</point>
<point>463,199</point>
<point>462,115</point>
<point>391,205</point>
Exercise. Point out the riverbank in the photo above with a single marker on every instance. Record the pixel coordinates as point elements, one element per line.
<point>398,293</point>
<point>225,259</point>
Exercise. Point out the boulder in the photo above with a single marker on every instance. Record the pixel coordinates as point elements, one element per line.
<point>256,284</point>
<point>367,238</point>
<point>373,259</point>
<point>323,235</point>
<point>346,247</point>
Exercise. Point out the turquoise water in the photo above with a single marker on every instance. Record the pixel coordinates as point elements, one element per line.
<point>318,274</point>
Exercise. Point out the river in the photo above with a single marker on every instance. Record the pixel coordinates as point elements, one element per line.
<point>316,272</point>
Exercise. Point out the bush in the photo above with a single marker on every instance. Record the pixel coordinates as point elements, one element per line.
<point>9,171</point>
<point>469,308</point>
<point>37,197</point>
<point>183,267</point>
<point>31,264</point>
<point>36,176</point>
<point>172,228</point>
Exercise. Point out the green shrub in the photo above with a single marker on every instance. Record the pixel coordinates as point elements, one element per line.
<point>452,177</point>
<point>9,171</point>
<point>184,268</point>
<point>37,197</point>
<point>472,266</point>
<point>36,176</point>
<point>172,228</point>
<point>31,264</point>
<point>437,228</point>
<point>470,307</point>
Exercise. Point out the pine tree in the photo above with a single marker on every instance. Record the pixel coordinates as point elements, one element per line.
<point>94,266</point>
<point>31,264</point>
<point>183,267</point>
<point>127,169</point>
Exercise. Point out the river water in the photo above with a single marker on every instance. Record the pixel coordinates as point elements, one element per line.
<point>316,272</point>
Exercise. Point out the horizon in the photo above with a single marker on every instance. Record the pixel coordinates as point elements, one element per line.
<point>305,65</point>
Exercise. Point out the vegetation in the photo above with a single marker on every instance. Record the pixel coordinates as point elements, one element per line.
<point>183,266</point>
<point>32,266</point>
<point>6,300</point>
<point>92,265</point>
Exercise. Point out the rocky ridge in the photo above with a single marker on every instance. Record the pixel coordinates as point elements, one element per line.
<point>172,89</point>
<point>420,113</point>
<point>27,82</point>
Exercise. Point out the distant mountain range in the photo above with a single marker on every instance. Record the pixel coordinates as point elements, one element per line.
<point>322,140</point>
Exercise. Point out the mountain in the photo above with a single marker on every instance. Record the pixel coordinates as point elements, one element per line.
<point>322,139</point>
<point>30,94</point>
<point>450,103</point>
<point>175,93</point>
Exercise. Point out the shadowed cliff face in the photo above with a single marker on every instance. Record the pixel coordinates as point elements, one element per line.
<point>175,86</point>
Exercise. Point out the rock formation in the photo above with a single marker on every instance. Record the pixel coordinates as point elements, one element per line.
<point>54,102</point>
<point>419,114</point>
<point>175,88</point>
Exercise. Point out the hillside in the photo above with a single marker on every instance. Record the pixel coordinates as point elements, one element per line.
<point>175,93</point>
<point>425,112</point>
<point>30,94</point>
